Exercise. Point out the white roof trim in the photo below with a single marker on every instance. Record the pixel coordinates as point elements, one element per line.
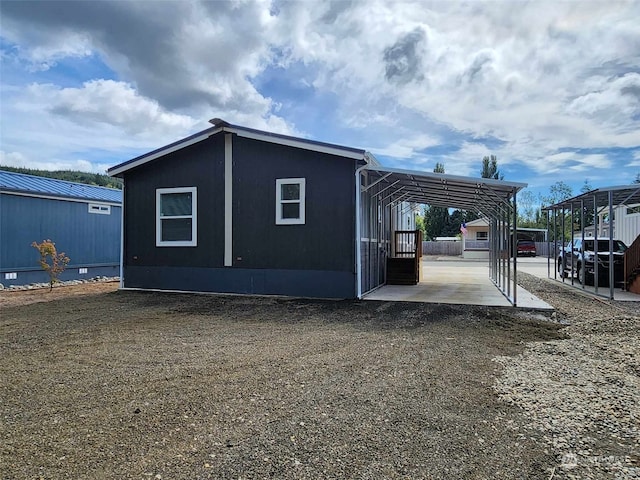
<point>295,143</point>
<point>162,152</point>
<point>478,222</point>
<point>446,176</point>
<point>241,132</point>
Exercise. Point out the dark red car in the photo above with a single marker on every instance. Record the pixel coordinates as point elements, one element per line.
<point>527,247</point>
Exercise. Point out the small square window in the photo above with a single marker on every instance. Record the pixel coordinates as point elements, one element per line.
<point>290,201</point>
<point>482,235</point>
<point>176,217</point>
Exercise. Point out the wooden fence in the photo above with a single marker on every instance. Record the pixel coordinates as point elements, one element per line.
<point>442,248</point>
<point>453,249</point>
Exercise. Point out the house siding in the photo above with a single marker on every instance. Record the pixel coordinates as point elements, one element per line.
<point>324,242</point>
<point>200,165</point>
<point>90,240</point>
<point>315,259</point>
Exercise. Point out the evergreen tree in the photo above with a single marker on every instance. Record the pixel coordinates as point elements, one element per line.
<point>436,219</point>
<point>70,176</point>
<point>490,168</point>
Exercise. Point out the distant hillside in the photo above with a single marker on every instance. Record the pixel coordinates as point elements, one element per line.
<point>70,176</point>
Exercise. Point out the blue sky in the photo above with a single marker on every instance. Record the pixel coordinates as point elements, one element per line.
<point>551,88</point>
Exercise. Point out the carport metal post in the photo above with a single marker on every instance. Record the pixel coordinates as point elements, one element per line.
<point>507,262</point>
<point>494,247</point>
<point>501,246</point>
<point>515,249</point>
<point>564,254</point>
<point>611,265</point>
<point>573,264</point>
<point>556,250</point>
<point>552,213</point>
<point>505,255</point>
<point>584,277</point>
<point>549,248</point>
<point>358,191</point>
<point>596,279</point>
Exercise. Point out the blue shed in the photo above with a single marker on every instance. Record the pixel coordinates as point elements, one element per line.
<point>84,221</point>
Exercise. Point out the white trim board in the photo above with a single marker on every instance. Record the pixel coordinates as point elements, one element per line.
<point>242,132</point>
<point>162,152</point>
<point>297,143</point>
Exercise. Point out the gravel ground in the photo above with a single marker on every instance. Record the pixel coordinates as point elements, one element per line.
<point>582,392</point>
<point>112,384</point>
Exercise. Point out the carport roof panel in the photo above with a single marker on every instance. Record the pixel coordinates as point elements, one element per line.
<point>443,190</point>
<point>621,195</point>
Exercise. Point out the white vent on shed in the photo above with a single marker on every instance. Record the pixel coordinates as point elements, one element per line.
<point>100,209</point>
<point>82,270</point>
<point>11,275</point>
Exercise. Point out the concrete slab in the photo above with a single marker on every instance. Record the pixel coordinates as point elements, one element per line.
<point>455,280</point>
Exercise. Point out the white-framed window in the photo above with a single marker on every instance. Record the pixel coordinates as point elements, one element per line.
<point>176,217</point>
<point>633,210</point>
<point>290,199</point>
<point>482,235</point>
<point>99,209</point>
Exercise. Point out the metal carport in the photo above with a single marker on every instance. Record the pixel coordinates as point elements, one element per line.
<point>382,190</point>
<point>587,210</point>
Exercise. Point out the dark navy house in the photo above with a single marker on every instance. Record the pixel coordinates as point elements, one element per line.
<point>237,210</point>
<point>84,221</point>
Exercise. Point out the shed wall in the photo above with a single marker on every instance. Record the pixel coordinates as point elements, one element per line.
<point>627,226</point>
<point>89,239</point>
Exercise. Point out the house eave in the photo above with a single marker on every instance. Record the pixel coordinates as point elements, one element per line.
<point>222,126</point>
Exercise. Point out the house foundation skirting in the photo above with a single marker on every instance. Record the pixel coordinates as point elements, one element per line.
<point>296,283</point>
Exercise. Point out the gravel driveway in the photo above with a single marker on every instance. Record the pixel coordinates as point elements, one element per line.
<point>148,385</point>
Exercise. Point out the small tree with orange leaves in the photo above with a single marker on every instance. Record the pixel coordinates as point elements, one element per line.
<point>51,261</point>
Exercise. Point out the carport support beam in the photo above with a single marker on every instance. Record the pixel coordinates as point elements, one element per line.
<point>611,264</point>
<point>358,241</point>
<point>515,250</point>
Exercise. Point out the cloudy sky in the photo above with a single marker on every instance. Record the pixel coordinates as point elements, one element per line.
<point>551,88</point>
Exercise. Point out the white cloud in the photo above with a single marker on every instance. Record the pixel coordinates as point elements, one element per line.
<point>406,147</point>
<point>613,103</point>
<point>541,78</point>
<point>635,162</point>
<point>485,70</point>
<point>187,57</point>
<point>16,159</point>
<point>13,159</point>
<point>588,163</point>
<point>113,103</point>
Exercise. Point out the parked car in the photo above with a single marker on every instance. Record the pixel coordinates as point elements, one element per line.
<point>527,247</point>
<point>578,258</point>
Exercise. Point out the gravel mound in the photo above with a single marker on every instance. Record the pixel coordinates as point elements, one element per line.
<point>146,385</point>
<point>111,384</point>
<point>583,392</point>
